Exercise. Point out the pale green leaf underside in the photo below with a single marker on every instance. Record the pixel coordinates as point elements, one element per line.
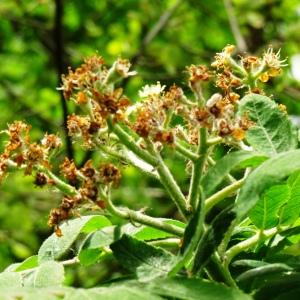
<point>54,247</point>
<point>50,273</point>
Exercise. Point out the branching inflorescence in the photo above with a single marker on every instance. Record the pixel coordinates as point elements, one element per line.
<point>137,133</point>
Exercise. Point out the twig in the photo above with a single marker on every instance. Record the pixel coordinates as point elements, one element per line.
<point>58,56</point>
<point>241,44</point>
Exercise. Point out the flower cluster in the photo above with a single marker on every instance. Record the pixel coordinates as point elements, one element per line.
<point>110,123</point>
<point>20,151</point>
<point>91,86</point>
<point>87,181</point>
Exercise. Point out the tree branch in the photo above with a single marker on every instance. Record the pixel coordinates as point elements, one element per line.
<point>241,44</point>
<point>58,56</point>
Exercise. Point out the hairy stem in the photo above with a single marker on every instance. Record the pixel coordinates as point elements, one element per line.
<point>141,218</point>
<point>186,152</point>
<point>247,244</point>
<point>130,143</point>
<point>60,184</point>
<point>222,194</point>
<point>193,197</point>
<point>169,182</point>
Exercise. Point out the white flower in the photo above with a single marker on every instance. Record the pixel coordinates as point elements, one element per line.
<point>272,59</point>
<point>151,90</point>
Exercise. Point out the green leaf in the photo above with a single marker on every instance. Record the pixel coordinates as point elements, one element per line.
<point>291,210</point>
<point>216,174</point>
<point>54,247</point>
<point>194,289</point>
<point>112,293</point>
<point>267,174</point>
<point>95,223</point>
<point>24,293</point>
<point>10,280</point>
<point>251,263</point>
<point>271,289</point>
<point>265,214</point>
<point>147,261</point>
<point>106,236</point>
<point>211,239</point>
<point>193,231</point>
<point>48,274</point>
<point>273,131</point>
<point>88,257</point>
<point>29,263</point>
<point>263,270</point>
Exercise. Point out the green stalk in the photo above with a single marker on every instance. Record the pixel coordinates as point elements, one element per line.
<point>169,182</point>
<point>186,152</point>
<point>138,217</point>
<point>247,244</point>
<point>193,197</point>
<point>218,272</point>
<point>130,143</point>
<point>61,185</point>
<point>222,194</point>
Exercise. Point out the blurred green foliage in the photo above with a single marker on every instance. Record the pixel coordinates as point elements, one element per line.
<point>160,38</point>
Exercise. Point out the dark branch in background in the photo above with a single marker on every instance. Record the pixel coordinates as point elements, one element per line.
<point>240,42</point>
<point>58,56</point>
<point>152,33</point>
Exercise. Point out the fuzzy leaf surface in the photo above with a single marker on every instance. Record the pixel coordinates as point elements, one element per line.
<point>147,261</point>
<point>273,131</point>
<point>54,247</point>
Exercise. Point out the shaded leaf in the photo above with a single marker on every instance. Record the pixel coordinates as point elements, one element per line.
<point>194,226</point>
<point>212,238</point>
<point>216,174</point>
<point>263,270</point>
<point>147,261</point>
<point>272,289</point>
<point>195,289</point>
